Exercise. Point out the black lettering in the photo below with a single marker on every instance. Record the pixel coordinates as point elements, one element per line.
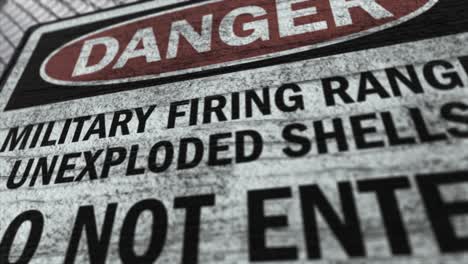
<point>182,162</point>
<point>193,111</point>
<point>297,100</point>
<point>37,225</point>
<point>375,87</point>
<point>420,124</point>
<point>259,223</point>
<point>394,139</point>
<point>143,117</point>
<point>65,166</point>
<point>329,91</point>
<point>450,112</point>
<point>36,135</point>
<point>46,139</point>
<point>360,132</point>
<point>90,167</point>
<point>193,206</point>
<point>158,234</point>
<point>263,105</point>
<point>449,79</point>
<point>97,245</point>
<point>302,141</point>
<point>257,146</point>
<point>235,104</point>
<point>13,139</point>
<point>217,109</point>
<point>110,161</point>
<point>385,190</point>
<point>131,169</point>
<point>153,156</point>
<point>337,134</point>
<point>79,127</point>
<point>395,77</point>
<point>440,212</point>
<point>348,231</point>
<point>122,123</point>
<point>44,170</point>
<point>174,113</point>
<point>98,127</point>
<point>64,133</point>
<point>216,148</point>
<point>11,184</point>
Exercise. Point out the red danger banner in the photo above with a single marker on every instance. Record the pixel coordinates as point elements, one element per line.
<point>186,41</point>
<point>216,34</point>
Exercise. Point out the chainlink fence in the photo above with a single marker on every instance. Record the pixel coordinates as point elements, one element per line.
<point>16,16</point>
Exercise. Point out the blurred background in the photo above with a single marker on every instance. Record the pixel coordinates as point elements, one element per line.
<point>16,16</point>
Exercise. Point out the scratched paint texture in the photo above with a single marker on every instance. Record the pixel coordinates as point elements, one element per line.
<point>224,227</point>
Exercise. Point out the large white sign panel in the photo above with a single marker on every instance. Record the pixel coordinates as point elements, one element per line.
<point>295,131</point>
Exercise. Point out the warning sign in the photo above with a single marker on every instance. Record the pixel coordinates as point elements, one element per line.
<point>239,132</point>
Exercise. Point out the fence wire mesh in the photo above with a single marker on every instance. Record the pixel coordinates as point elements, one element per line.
<point>16,16</point>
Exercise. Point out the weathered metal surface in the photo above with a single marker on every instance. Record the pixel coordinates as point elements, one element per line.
<point>225,234</point>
